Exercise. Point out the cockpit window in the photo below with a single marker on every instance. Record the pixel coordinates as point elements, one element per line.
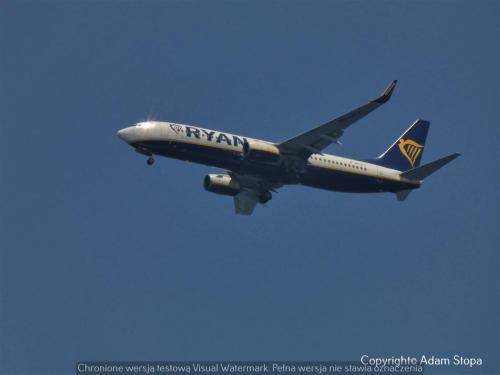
<point>145,124</point>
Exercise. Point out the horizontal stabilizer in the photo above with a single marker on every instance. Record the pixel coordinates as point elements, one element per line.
<point>423,171</point>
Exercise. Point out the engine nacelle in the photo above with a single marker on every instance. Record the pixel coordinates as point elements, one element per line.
<point>221,184</point>
<point>260,151</point>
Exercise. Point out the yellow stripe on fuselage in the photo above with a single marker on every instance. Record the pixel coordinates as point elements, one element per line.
<point>309,163</point>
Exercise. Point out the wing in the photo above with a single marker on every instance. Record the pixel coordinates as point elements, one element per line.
<point>254,189</point>
<point>245,202</point>
<point>315,140</point>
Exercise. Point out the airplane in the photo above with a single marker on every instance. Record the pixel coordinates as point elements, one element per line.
<point>255,168</point>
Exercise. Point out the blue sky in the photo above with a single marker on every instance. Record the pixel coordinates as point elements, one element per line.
<point>105,258</point>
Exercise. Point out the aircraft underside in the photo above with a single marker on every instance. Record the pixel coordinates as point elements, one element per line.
<point>312,176</point>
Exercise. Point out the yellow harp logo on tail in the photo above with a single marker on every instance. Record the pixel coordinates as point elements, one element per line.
<point>410,149</point>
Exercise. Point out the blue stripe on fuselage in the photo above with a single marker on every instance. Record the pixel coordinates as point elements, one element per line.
<point>338,180</point>
<point>314,176</point>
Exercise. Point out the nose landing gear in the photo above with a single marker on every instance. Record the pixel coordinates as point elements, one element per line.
<point>145,151</point>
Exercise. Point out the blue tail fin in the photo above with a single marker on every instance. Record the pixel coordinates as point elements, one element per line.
<point>407,151</point>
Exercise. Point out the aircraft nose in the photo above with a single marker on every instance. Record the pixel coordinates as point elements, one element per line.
<point>124,134</point>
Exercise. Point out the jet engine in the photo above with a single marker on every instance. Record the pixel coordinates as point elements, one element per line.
<point>260,151</point>
<point>221,184</point>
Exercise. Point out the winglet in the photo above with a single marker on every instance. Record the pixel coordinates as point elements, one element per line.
<point>387,93</point>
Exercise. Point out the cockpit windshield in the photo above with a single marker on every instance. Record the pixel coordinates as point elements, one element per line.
<point>144,124</point>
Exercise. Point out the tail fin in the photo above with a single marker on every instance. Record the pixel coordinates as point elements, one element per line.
<point>422,172</point>
<point>405,153</point>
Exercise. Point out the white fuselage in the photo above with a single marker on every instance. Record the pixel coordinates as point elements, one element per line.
<point>153,131</point>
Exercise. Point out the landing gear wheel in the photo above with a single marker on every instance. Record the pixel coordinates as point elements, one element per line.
<point>150,160</point>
